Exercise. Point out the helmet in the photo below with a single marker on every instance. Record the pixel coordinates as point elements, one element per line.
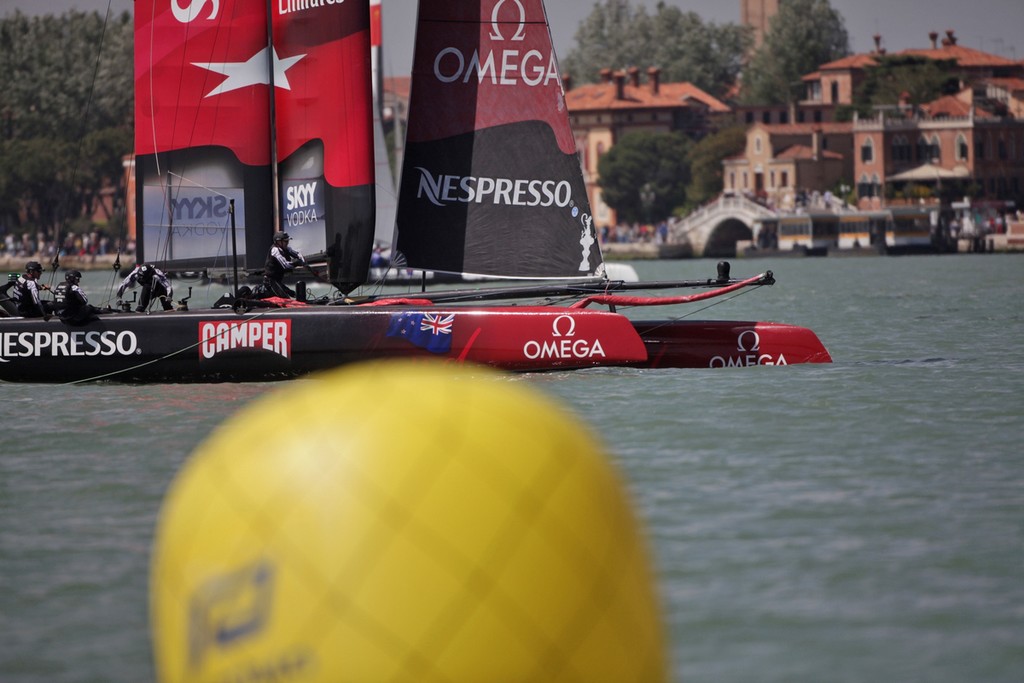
<point>73,276</point>
<point>33,265</point>
<point>278,236</point>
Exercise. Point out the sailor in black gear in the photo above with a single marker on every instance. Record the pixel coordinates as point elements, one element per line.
<point>25,293</point>
<point>76,309</point>
<point>281,259</point>
<point>154,284</point>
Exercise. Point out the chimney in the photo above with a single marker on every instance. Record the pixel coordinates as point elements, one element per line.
<point>934,36</point>
<point>878,43</point>
<point>654,79</point>
<point>606,75</point>
<point>950,37</point>
<point>620,85</point>
<point>634,76</point>
<point>566,82</point>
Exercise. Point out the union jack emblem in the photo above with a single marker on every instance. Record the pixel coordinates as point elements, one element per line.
<point>436,324</point>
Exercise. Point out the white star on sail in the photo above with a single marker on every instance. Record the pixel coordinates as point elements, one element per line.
<point>252,72</point>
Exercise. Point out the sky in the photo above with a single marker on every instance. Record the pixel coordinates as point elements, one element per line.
<point>995,26</point>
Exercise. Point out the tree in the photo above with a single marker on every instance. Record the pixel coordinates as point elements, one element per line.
<point>66,114</point>
<point>644,176</point>
<point>801,37</point>
<point>681,44</point>
<point>705,159</point>
<point>920,78</point>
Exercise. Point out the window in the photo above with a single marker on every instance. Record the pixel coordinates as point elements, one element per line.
<point>867,151</point>
<point>1002,149</point>
<point>864,186</point>
<point>979,150</point>
<point>923,149</point>
<point>800,116</point>
<point>745,183</point>
<point>757,144</point>
<point>732,180</point>
<point>772,176</point>
<point>766,117</point>
<point>785,179</point>
<point>935,150</point>
<point>961,147</point>
<point>783,117</point>
<point>835,92</point>
<point>817,116</point>
<point>750,117</point>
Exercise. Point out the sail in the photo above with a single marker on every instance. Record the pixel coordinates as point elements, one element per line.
<point>491,180</point>
<point>202,133</point>
<point>324,128</point>
<point>206,131</point>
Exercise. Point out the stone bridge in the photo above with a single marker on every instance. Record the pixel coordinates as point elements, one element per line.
<point>713,230</point>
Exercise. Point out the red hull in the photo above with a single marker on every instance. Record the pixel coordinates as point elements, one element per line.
<point>265,344</point>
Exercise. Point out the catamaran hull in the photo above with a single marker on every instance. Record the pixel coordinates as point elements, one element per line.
<point>270,344</point>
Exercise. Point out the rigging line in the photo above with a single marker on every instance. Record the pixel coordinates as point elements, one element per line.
<point>98,378</point>
<point>712,303</point>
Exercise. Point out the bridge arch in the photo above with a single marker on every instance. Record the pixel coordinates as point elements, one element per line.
<point>721,239</point>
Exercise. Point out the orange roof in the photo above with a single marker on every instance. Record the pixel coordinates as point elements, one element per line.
<point>964,56</point>
<point>805,152</point>
<point>952,107</point>
<point>949,106</point>
<point>862,60</point>
<point>601,96</point>
<point>399,85</point>
<point>1011,84</point>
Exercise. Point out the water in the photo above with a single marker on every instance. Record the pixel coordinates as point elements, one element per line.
<point>860,521</point>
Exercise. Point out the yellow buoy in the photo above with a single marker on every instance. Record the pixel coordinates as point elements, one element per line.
<point>407,521</point>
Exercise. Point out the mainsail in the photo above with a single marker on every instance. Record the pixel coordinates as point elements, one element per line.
<point>208,133</point>
<point>491,180</point>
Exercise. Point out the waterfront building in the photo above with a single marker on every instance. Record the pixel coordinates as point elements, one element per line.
<point>601,113</point>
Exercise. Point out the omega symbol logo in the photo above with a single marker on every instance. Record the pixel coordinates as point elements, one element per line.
<point>191,11</point>
<point>567,329</point>
<point>748,335</point>
<point>496,26</point>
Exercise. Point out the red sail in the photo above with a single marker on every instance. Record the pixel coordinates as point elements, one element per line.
<point>325,133</point>
<point>492,182</point>
<point>203,137</point>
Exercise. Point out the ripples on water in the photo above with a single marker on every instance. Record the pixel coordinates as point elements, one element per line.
<point>859,521</point>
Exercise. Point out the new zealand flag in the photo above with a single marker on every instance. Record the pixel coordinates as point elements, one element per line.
<point>430,331</point>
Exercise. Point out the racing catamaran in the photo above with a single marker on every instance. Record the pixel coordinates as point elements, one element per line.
<point>253,118</point>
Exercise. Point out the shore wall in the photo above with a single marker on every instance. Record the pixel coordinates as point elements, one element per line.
<point>16,264</point>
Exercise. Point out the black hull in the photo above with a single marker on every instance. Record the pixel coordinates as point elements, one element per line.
<point>269,344</point>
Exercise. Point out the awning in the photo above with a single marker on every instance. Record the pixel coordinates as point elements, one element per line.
<point>931,173</point>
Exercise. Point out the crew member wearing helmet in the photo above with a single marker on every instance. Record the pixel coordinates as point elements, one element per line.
<point>282,259</point>
<point>76,309</point>
<point>154,284</point>
<point>25,293</point>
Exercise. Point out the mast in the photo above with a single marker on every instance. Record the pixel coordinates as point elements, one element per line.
<point>274,182</point>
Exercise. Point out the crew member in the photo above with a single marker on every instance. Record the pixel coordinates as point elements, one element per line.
<point>25,293</point>
<point>154,284</point>
<point>282,259</point>
<point>76,309</point>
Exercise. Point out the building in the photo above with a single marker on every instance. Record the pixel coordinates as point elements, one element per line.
<point>601,113</point>
<point>784,165</point>
<point>952,147</point>
<point>757,14</point>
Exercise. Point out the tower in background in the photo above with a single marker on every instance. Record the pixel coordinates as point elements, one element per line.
<point>757,14</point>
